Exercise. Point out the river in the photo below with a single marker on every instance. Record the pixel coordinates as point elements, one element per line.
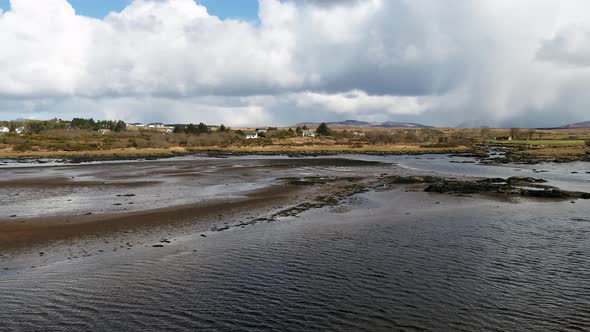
<point>393,260</point>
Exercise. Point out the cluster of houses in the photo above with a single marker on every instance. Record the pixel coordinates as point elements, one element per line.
<point>153,125</point>
<point>6,130</point>
<point>256,133</point>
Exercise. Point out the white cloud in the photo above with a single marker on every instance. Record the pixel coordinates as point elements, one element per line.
<point>357,102</point>
<point>490,61</point>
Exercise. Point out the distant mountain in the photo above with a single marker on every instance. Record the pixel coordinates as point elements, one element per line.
<point>585,124</point>
<point>364,124</point>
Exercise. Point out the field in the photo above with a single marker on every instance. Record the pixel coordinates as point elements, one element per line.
<point>87,144</point>
<point>545,142</point>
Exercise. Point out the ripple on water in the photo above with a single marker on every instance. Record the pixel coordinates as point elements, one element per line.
<point>518,267</point>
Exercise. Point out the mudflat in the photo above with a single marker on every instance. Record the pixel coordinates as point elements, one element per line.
<point>48,203</point>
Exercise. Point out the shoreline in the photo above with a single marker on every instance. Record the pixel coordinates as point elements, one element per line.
<point>286,187</point>
<point>512,154</point>
<point>151,154</point>
<point>17,233</point>
<point>288,198</point>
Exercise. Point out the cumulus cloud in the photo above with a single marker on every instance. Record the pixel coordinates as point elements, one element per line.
<point>493,62</point>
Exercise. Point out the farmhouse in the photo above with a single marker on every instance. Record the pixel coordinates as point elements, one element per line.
<point>251,135</point>
<point>308,133</point>
<point>156,125</point>
<point>4,130</point>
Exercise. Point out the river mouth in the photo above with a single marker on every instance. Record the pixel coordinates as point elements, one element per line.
<point>376,260</point>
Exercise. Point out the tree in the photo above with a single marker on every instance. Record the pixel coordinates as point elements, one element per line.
<point>587,143</point>
<point>120,126</point>
<point>530,133</point>
<point>323,130</point>
<point>178,129</point>
<point>202,128</point>
<point>191,129</point>
<point>222,128</point>
<point>514,133</point>
<point>305,127</point>
<point>298,131</point>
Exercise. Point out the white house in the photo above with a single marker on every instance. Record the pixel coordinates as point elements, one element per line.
<point>358,133</point>
<point>156,125</point>
<point>20,130</point>
<point>251,135</point>
<point>308,133</point>
<point>135,124</point>
<point>4,130</point>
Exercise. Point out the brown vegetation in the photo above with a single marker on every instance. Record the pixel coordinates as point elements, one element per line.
<point>76,142</point>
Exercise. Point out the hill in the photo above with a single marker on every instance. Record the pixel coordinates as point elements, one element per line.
<point>585,124</point>
<point>364,124</point>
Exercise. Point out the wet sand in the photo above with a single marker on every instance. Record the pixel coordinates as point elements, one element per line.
<point>33,231</point>
<point>126,197</point>
<point>66,202</point>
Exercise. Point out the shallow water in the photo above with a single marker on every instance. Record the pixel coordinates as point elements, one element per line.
<point>383,261</point>
<point>468,265</point>
<point>567,176</point>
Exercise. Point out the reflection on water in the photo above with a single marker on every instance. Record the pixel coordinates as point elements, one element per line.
<point>465,265</point>
<point>567,176</point>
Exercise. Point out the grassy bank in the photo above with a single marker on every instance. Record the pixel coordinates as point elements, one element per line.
<point>334,149</point>
<point>126,153</point>
<point>87,145</point>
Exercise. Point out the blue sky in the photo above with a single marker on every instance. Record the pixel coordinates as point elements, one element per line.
<point>243,9</point>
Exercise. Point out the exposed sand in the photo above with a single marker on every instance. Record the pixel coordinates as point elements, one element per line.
<point>154,193</point>
<point>24,232</point>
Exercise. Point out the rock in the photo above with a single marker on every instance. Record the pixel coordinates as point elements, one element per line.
<point>411,179</point>
<point>467,187</point>
<point>553,193</point>
<point>203,235</point>
<point>523,179</point>
<point>13,216</point>
<point>158,246</point>
<point>492,180</point>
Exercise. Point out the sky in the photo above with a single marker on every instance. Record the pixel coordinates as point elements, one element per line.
<point>498,63</point>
